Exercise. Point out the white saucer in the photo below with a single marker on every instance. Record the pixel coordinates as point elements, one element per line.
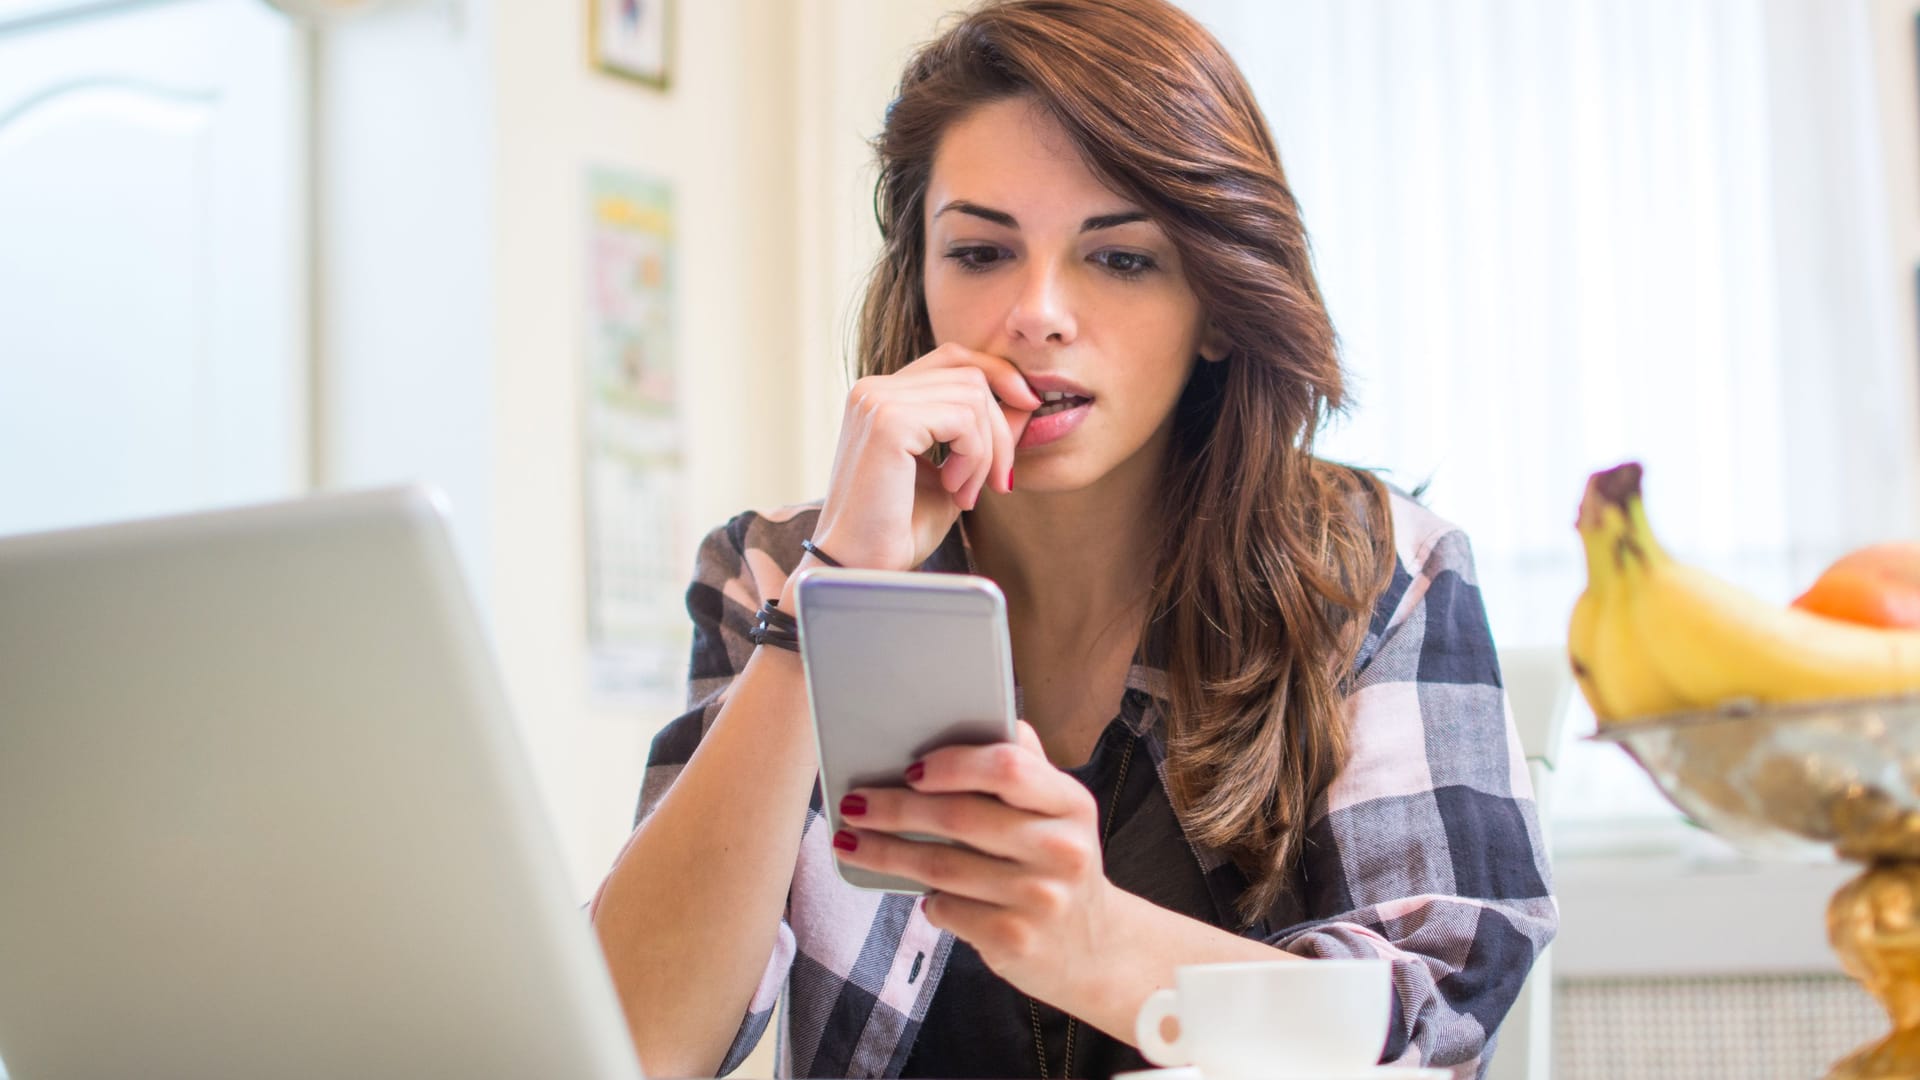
<point>1373,1073</point>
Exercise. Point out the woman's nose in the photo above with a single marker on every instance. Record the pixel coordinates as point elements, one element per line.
<point>1042,312</point>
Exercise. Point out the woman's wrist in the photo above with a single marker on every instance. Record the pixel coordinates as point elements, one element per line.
<point>819,553</point>
<point>1148,943</point>
<point>789,601</point>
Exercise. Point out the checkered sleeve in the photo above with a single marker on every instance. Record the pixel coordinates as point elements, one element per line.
<point>739,565</point>
<point>1428,849</point>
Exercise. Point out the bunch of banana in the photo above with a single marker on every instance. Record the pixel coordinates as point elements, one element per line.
<point>1652,636</point>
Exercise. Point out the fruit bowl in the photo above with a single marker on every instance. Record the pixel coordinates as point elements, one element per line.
<point>1842,772</point>
<point>1788,781</point>
<point>1785,780</point>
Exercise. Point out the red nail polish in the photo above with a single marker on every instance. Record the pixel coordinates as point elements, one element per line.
<point>845,840</point>
<point>1009,481</point>
<point>853,806</point>
<point>915,771</point>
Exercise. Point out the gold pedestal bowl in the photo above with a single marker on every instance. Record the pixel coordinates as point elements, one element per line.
<point>1780,780</point>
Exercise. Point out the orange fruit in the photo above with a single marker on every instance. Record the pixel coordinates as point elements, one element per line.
<point>1876,586</point>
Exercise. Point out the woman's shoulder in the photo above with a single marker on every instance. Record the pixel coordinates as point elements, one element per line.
<point>1415,537</point>
<point>772,530</point>
<point>1433,583</point>
<point>1432,562</point>
<point>1423,539</point>
<point>761,545</point>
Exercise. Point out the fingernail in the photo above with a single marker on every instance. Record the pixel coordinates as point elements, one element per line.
<point>853,806</point>
<point>845,840</point>
<point>1009,481</point>
<point>915,771</point>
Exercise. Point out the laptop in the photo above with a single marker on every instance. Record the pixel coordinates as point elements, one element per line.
<point>264,812</point>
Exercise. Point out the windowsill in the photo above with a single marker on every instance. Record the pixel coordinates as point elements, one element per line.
<point>1665,899</point>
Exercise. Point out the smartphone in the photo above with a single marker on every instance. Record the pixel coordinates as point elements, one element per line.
<point>899,664</point>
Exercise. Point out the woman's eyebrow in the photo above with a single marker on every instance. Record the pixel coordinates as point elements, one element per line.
<point>1108,221</point>
<point>1001,217</point>
<point>998,217</point>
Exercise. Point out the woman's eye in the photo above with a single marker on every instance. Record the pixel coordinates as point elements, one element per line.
<point>973,260</point>
<point>1126,264</point>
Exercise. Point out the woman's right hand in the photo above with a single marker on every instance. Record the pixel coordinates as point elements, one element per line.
<point>887,508</point>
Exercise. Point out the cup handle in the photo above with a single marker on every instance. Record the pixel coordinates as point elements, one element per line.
<point>1146,1029</point>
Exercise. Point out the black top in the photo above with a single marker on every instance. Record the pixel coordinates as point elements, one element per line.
<point>979,1026</point>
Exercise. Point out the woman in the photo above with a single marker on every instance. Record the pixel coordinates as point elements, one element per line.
<point>1262,718</point>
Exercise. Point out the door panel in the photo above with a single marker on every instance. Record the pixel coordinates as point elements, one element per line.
<point>152,261</point>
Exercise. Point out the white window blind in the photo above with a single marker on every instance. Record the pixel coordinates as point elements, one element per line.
<point>1554,237</point>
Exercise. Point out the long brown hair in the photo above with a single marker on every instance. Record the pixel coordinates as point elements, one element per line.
<point>1263,593</point>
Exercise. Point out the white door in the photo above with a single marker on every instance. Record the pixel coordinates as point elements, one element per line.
<point>153,262</point>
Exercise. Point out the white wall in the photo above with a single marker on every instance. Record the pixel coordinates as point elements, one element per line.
<point>723,142</point>
<point>403,195</point>
<point>455,137</point>
<point>762,138</point>
<point>852,52</point>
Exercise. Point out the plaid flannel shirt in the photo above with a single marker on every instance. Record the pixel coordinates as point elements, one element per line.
<point>1426,849</point>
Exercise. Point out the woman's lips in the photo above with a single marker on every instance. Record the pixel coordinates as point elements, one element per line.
<point>1053,427</point>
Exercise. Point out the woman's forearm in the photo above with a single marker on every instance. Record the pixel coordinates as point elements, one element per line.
<point>689,914</point>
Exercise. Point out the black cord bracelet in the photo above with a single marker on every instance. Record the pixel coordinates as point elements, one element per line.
<point>775,627</point>
<point>813,549</point>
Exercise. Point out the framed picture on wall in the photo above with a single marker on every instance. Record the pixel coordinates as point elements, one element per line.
<point>632,39</point>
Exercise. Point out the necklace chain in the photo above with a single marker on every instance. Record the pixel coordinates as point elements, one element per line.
<point>1033,1007</point>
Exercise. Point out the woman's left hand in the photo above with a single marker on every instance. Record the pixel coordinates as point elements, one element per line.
<point>1028,890</point>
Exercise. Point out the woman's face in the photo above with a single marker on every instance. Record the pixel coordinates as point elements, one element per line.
<point>1029,256</point>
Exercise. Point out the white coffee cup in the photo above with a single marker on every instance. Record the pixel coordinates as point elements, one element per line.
<point>1274,1018</point>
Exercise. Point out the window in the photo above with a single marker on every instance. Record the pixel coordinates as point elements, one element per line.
<point>1555,237</point>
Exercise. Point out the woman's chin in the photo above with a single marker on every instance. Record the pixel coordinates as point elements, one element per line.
<point>1052,470</point>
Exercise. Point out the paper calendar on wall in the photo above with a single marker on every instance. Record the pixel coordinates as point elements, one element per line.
<point>636,622</point>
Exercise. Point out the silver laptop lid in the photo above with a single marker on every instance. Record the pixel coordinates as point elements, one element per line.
<point>263,812</point>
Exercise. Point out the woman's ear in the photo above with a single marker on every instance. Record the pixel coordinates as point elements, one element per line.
<point>1214,344</point>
